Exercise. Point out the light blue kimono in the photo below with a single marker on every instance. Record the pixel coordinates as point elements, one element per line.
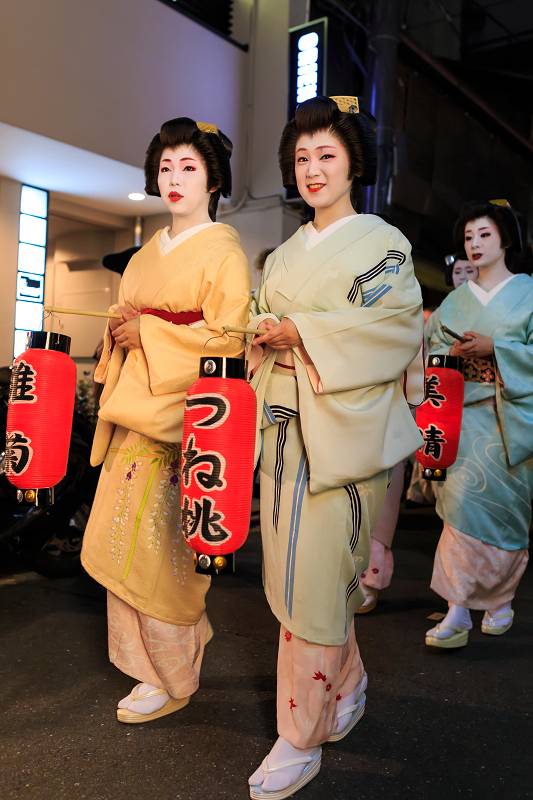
<point>489,488</point>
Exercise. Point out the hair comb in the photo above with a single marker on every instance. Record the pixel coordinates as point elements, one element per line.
<point>206,127</point>
<point>348,104</point>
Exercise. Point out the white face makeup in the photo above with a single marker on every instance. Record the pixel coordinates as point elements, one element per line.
<point>483,244</point>
<point>322,167</point>
<point>182,181</point>
<point>463,271</point>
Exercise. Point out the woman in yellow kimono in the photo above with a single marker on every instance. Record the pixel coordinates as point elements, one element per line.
<point>176,293</point>
<point>343,315</point>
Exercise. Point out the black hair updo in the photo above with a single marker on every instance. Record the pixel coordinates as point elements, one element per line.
<point>214,150</point>
<point>356,132</point>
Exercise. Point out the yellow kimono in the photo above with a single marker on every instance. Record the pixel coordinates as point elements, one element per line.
<point>133,543</point>
<point>326,450</point>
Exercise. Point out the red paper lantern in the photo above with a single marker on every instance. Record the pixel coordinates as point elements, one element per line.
<point>440,415</point>
<point>218,461</point>
<point>39,415</point>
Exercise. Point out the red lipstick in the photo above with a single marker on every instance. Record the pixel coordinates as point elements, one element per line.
<point>174,197</point>
<point>316,188</point>
<point>476,256</point>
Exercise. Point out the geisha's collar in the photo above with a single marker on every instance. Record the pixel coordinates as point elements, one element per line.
<point>295,257</point>
<point>312,237</point>
<point>483,296</point>
<point>167,244</point>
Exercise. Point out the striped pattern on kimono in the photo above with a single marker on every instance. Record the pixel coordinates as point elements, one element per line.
<point>383,266</point>
<point>297,500</point>
<point>280,415</point>
<point>355,504</point>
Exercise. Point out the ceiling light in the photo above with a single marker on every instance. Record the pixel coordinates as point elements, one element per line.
<point>136,196</point>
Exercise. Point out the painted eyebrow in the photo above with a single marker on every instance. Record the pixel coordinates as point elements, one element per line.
<point>321,147</point>
<point>485,228</point>
<point>169,160</point>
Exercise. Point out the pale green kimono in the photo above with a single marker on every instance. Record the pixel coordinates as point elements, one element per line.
<point>489,488</point>
<point>325,457</point>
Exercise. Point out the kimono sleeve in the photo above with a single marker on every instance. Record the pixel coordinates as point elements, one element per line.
<point>109,351</point>
<point>515,365</point>
<point>439,343</point>
<point>173,352</point>
<point>357,346</point>
<point>260,308</point>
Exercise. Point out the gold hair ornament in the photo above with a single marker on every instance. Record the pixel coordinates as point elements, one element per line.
<point>503,203</point>
<point>348,104</point>
<point>206,127</point>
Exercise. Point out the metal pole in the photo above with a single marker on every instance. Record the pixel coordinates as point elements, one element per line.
<point>381,94</point>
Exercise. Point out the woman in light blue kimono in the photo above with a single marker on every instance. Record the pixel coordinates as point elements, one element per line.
<point>486,502</point>
<point>343,320</point>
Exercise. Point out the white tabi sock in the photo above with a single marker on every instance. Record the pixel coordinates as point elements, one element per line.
<point>498,612</point>
<point>149,704</point>
<point>282,751</point>
<point>457,617</point>
<point>350,700</point>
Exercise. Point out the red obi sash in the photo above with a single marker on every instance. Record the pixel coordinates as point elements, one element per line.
<point>179,318</point>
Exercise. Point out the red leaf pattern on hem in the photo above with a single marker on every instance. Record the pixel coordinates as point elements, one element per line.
<point>288,635</point>
<point>293,704</point>
<point>328,687</point>
<point>339,697</point>
<point>319,677</point>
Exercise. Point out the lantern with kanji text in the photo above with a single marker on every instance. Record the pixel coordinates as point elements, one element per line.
<point>439,417</point>
<point>39,415</point>
<point>218,462</point>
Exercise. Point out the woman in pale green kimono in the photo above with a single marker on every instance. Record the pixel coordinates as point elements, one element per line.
<point>343,315</point>
<point>486,502</point>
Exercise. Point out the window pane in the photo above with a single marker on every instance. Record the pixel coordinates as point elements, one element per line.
<point>20,343</point>
<point>32,259</point>
<point>28,316</point>
<point>32,230</point>
<point>33,201</point>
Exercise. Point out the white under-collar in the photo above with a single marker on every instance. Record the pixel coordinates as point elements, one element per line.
<point>312,237</point>
<point>167,244</point>
<point>483,296</point>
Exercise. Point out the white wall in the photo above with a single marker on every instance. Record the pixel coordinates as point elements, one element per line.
<point>81,285</point>
<point>104,75</point>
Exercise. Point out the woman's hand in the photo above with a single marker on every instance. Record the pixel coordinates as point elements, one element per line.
<point>477,346</point>
<point>128,334</point>
<point>281,335</point>
<point>127,312</point>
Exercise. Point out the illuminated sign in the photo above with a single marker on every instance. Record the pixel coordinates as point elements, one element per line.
<point>307,62</point>
<point>33,223</point>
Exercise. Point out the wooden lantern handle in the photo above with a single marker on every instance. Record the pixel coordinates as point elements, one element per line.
<point>108,314</point>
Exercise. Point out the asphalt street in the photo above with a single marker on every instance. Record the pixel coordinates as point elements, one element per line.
<point>439,724</point>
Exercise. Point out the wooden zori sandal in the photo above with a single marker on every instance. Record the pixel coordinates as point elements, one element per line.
<point>457,639</point>
<point>369,604</point>
<point>496,630</point>
<point>125,715</point>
